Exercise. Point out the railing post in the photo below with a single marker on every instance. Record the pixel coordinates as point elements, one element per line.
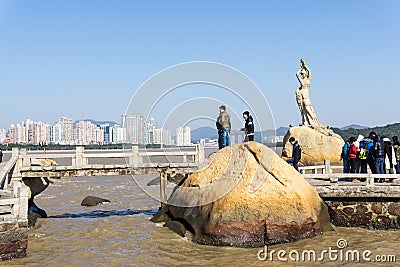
<point>184,158</point>
<point>200,152</point>
<point>26,162</point>
<point>327,164</point>
<point>370,180</point>
<point>15,152</point>
<point>163,187</point>
<point>18,163</point>
<point>135,157</point>
<point>79,160</point>
<point>23,202</point>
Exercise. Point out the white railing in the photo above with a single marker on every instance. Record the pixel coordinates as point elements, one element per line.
<point>326,172</point>
<point>134,158</point>
<point>14,203</point>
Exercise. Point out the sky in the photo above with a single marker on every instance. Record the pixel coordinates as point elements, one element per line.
<point>86,59</point>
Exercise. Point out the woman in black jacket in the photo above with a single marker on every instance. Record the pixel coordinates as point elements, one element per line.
<point>248,127</point>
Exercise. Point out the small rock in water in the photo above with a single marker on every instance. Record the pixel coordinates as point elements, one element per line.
<point>93,201</point>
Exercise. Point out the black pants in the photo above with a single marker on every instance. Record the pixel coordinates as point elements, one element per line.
<point>371,164</point>
<point>363,166</point>
<point>248,138</point>
<point>353,165</point>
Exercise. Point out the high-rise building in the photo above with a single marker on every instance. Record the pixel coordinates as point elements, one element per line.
<point>117,134</point>
<point>20,134</point>
<point>2,135</point>
<point>158,136</point>
<point>134,127</point>
<point>167,137</point>
<point>12,133</point>
<point>84,132</point>
<point>99,136</point>
<point>162,137</point>
<point>187,137</point>
<point>66,130</point>
<point>179,136</point>
<point>56,137</point>
<point>49,133</point>
<point>39,133</point>
<point>183,136</point>
<point>28,132</point>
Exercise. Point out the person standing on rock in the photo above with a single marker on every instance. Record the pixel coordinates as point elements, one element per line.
<point>296,153</point>
<point>224,128</point>
<point>248,127</point>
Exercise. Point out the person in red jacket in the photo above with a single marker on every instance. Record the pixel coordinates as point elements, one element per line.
<point>353,151</point>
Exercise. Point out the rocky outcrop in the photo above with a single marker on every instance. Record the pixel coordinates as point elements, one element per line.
<point>247,196</point>
<point>93,201</point>
<point>13,241</point>
<point>317,145</point>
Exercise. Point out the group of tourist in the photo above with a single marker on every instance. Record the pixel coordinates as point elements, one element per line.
<point>224,126</point>
<point>381,154</point>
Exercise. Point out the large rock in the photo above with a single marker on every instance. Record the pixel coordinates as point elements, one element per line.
<point>248,197</point>
<point>317,145</point>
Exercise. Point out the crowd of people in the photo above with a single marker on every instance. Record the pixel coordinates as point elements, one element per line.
<point>381,154</point>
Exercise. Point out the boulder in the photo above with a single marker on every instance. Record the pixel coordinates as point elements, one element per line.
<point>317,145</point>
<point>93,201</point>
<point>247,196</point>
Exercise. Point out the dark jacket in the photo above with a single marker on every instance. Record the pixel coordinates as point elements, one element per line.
<point>379,149</point>
<point>396,146</point>
<point>248,126</point>
<point>296,154</point>
<point>389,153</point>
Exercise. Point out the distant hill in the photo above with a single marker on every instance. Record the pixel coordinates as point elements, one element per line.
<point>388,130</point>
<point>204,132</point>
<point>281,131</point>
<point>354,126</point>
<point>112,123</point>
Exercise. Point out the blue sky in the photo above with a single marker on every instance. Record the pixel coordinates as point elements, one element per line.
<point>86,59</point>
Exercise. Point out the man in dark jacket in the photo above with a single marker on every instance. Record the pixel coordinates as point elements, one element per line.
<point>379,150</point>
<point>1,155</point>
<point>248,127</point>
<point>296,153</point>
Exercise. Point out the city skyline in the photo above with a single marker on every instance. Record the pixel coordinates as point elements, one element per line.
<point>66,59</point>
<point>133,129</point>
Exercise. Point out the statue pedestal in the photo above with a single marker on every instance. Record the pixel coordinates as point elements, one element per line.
<point>317,145</point>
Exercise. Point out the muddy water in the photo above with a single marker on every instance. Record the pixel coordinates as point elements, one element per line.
<point>120,234</point>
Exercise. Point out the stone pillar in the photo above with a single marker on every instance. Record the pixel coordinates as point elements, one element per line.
<point>135,157</point>
<point>79,159</point>
<point>15,152</point>
<point>200,152</point>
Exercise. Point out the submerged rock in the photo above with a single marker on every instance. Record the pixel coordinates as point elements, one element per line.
<point>247,196</point>
<point>93,201</point>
